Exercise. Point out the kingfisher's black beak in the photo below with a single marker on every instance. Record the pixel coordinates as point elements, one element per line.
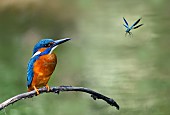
<point>57,42</point>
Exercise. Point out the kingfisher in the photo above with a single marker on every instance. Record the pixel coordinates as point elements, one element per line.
<point>42,63</point>
<point>133,26</point>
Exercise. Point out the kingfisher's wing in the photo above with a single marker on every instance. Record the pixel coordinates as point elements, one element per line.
<point>137,26</point>
<point>136,23</point>
<point>127,25</point>
<point>30,72</point>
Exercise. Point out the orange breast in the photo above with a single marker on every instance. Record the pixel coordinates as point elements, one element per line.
<point>43,68</point>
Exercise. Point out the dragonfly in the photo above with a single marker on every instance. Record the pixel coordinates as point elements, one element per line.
<point>133,26</point>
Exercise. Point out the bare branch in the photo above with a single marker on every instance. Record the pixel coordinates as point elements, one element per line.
<point>94,95</point>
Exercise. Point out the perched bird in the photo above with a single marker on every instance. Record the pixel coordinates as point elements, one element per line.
<point>133,26</point>
<point>42,63</point>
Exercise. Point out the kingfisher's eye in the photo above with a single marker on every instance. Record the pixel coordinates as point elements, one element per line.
<point>45,45</point>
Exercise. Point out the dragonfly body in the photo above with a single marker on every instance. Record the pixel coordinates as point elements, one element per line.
<point>133,26</point>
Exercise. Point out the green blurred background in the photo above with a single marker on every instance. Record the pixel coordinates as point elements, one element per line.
<point>132,70</point>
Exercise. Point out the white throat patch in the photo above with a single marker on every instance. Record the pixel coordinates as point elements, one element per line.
<point>53,49</point>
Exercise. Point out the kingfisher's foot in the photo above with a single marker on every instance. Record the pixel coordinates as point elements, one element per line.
<point>48,87</point>
<point>36,90</point>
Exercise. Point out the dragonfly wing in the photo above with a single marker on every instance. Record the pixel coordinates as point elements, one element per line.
<point>125,25</point>
<point>125,22</point>
<point>136,23</point>
<point>137,26</point>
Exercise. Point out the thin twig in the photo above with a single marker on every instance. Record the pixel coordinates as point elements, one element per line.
<point>94,95</point>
